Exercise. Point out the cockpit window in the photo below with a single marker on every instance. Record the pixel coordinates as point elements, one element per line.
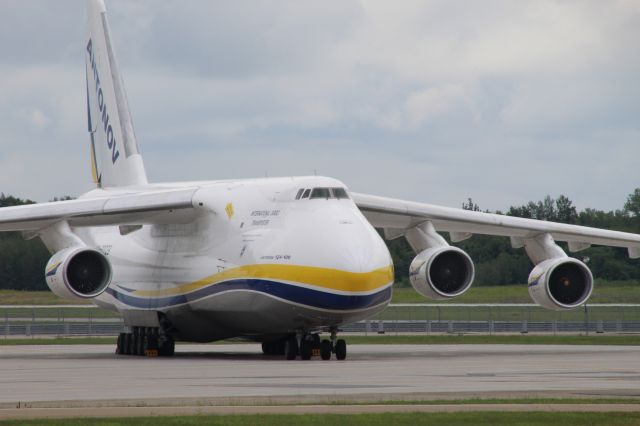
<point>326,193</point>
<point>320,193</point>
<point>339,193</point>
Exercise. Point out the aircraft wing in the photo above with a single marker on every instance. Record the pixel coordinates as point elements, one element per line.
<point>396,216</point>
<point>134,208</point>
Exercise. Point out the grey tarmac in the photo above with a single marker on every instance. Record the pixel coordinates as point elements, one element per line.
<point>207,378</point>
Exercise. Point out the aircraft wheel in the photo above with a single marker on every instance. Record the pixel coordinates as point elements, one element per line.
<point>128,343</point>
<point>325,350</point>
<point>150,343</point>
<point>341,350</point>
<point>171,347</point>
<point>144,343</point>
<point>167,348</point>
<point>133,343</point>
<point>267,348</point>
<point>139,344</point>
<point>306,347</point>
<point>291,348</point>
<point>120,344</point>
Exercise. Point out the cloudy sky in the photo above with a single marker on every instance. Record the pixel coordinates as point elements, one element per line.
<point>431,101</point>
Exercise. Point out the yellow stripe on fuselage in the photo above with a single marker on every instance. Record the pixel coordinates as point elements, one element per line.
<point>331,279</point>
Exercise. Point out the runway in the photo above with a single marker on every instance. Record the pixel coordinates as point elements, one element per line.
<point>85,376</point>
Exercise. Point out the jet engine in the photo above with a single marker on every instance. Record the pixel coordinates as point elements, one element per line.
<point>560,283</point>
<point>441,272</point>
<point>78,273</point>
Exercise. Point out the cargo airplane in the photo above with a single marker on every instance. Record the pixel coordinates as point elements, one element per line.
<point>274,260</point>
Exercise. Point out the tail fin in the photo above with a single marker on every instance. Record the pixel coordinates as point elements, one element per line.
<point>115,158</point>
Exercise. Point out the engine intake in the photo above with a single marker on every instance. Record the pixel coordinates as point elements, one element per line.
<point>78,273</point>
<point>441,272</point>
<point>560,284</point>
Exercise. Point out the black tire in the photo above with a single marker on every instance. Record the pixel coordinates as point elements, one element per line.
<point>144,343</point>
<point>306,347</point>
<point>151,343</point>
<point>139,345</point>
<point>120,344</point>
<point>267,348</point>
<point>168,348</point>
<point>291,348</point>
<point>128,343</point>
<point>315,338</point>
<point>341,350</point>
<point>325,350</point>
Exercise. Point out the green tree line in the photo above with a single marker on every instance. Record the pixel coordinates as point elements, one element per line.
<point>22,262</point>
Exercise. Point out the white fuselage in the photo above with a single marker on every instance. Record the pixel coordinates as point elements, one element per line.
<point>255,261</point>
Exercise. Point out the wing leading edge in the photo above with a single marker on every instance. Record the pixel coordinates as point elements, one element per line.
<point>134,208</point>
<point>396,216</point>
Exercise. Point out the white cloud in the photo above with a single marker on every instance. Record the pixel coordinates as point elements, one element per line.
<point>501,101</point>
<point>36,117</point>
<point>430,103</point>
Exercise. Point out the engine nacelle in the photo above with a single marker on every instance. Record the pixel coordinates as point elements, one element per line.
<point>78,273</point>
<point>441,272</point>
<point>561,283</point>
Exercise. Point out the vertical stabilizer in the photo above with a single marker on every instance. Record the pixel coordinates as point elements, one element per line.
<point>115,158</point>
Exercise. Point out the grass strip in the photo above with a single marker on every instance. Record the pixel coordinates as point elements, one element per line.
<point>569,400</point>
<point>603,292</point>
<point>20,297</point>
<point>453,419</point>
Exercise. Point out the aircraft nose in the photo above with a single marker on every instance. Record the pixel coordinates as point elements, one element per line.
<point>334,259</point>
<point>341,239</point>
<point>359,249</point>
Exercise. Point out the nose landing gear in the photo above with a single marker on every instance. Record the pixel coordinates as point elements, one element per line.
<point>338,346</point>
<point>309,345</point>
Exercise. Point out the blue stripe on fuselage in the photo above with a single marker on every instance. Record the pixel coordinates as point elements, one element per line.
<point>300,295</point>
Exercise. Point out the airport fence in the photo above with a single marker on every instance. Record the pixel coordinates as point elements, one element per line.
<point>82,320</point>
<point>501,318</point>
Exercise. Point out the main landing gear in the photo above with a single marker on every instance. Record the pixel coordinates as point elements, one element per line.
<point>145,341</point>
<point>307,346</point>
